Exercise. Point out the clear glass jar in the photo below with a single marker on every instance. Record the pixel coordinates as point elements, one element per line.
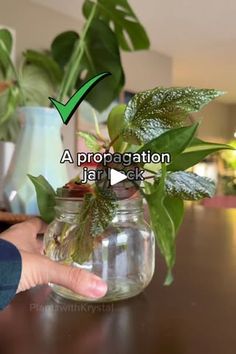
<point>124,255</point>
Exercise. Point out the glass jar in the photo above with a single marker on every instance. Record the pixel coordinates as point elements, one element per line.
<point>124,255</point>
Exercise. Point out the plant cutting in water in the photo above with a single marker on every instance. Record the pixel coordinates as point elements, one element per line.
<point>157,121</point>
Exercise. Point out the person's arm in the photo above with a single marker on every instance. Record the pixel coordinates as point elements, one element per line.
<point>10,272</point>
<point>38,269</point>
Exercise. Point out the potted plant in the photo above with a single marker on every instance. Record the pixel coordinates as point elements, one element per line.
<point>100,227</point>
<point>58,72</point>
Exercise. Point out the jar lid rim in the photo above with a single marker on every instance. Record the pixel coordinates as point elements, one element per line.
<point>70,199</point>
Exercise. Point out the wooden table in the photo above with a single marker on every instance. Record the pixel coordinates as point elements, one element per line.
<point>196,315</point>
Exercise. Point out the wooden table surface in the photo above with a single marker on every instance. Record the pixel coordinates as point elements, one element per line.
<point>196,315</point>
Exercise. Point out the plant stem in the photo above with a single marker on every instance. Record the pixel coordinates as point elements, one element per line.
<point>64,231</point>
<point>98,132</point>
<point>150,171</point>
<point>163,168</point>
<point>149,177</point>
<point>139,188</point>
<point>113,141</point>
<point>124,148</point>
<point>76,58</point>
<point>20,71</point>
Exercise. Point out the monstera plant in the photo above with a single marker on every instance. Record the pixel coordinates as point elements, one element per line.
<point>71,59</point>
<point>157,121</point>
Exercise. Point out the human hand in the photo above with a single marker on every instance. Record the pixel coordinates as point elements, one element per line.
<point>38,269</point>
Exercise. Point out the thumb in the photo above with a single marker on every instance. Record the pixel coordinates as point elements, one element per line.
<point>78,280</point>
<point>37,269</point>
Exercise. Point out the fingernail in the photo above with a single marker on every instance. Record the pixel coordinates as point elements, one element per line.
<point>98,288</point>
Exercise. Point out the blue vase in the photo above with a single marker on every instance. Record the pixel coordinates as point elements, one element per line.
<point>38,152</point>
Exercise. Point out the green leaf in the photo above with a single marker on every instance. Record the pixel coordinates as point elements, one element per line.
<point>229,157</point>
<point>119,15</point>
<point>151,113</point>
<point>9,72</point>
<point>6,37</point>
<point>45,197</point>
<point>175,208</point>
<point>173,141</point>
<point>35,94</point>
<point>9,130</point>
<point>187,185</point>
<point>101,54</point>
<point>62,47</point>
<point>46,63</point>
<point>195,153</point>
<point>90,141</point>
<point>5,49</point>
<point>115,125</point>
<point>6,63</point>
<point>97,211</point>
<point>163,226</point>
<point>8,103</point>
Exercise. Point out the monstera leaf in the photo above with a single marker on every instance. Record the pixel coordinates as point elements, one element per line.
<point>97,211</point>
<point>101,54</point>
<point>109,26</point>
<point>187,185</point>
<point>62,47</point>
<point>129,31</point>
<point>150,113</point>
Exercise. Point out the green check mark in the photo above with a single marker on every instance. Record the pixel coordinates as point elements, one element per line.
<point>67,110</point>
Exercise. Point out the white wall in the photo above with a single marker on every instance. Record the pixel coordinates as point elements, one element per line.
<point>147,69</point>
<point>218,122</point>
<point>35,25</point>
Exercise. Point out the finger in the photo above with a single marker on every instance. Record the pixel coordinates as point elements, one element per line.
<point>39,246</point>
<point>37,269</point>
<point>29,228</point>
<point>24,235</point>
<point>76,279</point>
<point>34,226</point>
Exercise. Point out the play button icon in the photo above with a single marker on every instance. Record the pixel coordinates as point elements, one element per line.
<point>119,182</point>
<point>116,177</point>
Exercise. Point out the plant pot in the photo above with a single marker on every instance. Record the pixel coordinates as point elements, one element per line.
<point>38,151</point>
<point>6,152</point>
<point>123,255</point>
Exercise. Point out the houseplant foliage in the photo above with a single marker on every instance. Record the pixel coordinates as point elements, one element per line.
<point>71,59</point>
<point>153,120</point>
<point>228,177</point>
<point>8,93</point>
